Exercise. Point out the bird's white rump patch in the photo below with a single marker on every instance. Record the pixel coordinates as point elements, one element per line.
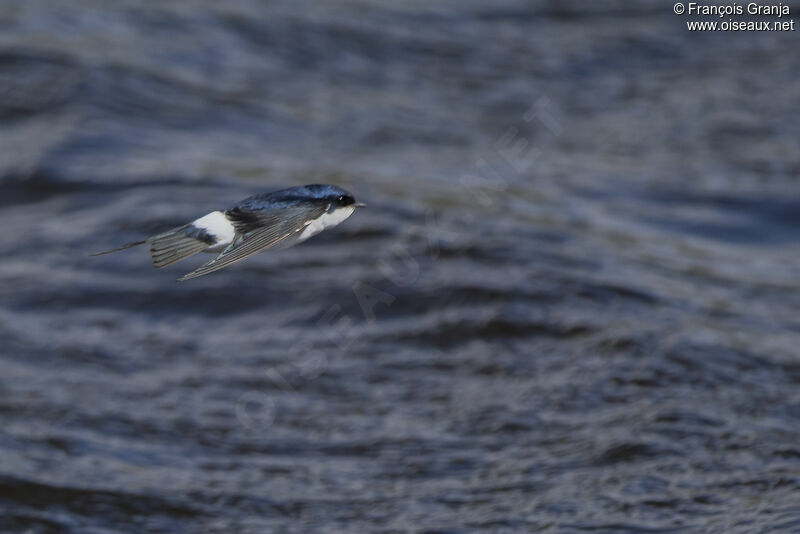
<point>216,224</point>
<point>326,220</point>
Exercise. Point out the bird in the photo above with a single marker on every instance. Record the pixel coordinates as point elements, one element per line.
<point>275,220</point>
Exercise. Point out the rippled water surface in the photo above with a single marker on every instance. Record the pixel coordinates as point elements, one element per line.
<point>571,305</point>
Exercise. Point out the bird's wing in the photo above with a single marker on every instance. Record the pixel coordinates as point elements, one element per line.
<point>258,230</point>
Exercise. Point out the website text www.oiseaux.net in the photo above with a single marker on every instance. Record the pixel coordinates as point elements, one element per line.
<point>763,11</point>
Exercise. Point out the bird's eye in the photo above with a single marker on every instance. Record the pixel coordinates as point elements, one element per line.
<point>341,198</point>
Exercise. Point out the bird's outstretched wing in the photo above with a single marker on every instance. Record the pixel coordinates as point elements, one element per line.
<point>258,230</point>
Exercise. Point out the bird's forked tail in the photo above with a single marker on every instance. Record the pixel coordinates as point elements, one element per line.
<point>169,247</point>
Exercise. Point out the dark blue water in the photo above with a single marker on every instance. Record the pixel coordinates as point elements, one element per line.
<point>571,305</point>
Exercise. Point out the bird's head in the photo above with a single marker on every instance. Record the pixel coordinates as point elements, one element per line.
<point>335,196</point>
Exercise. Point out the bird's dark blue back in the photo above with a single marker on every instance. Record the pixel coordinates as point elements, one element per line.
<point>299,196</point>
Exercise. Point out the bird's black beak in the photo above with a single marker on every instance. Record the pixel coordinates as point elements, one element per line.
<point>359,205</point>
